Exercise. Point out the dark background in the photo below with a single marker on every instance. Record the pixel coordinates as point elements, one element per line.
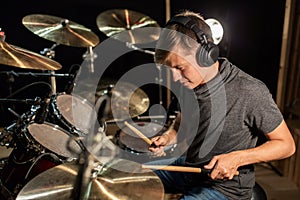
<point>252,39</point>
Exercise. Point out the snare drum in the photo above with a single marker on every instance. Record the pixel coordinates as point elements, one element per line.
<point>73,113</point>
<point>134,148</point>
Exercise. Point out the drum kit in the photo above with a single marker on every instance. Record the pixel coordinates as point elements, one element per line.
<point>49,159</point>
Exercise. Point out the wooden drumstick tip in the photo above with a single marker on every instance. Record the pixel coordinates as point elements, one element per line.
<point>139,133</point>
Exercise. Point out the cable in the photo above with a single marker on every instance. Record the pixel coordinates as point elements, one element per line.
<point>27,86</point>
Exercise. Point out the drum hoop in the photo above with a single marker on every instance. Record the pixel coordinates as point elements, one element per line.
<point>123,146</point>
<point>86,101</point>
<point>50,125</point>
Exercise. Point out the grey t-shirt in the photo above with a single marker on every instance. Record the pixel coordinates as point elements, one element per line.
<point>234,110</point>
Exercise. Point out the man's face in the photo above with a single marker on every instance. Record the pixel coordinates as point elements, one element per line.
<point>185,69</point>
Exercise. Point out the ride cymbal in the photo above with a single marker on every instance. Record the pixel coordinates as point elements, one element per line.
<point>125,25</point>
<point>22,58</point>
<point>112,182</point>
<point>60,30</point>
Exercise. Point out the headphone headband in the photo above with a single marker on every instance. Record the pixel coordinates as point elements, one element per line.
<point>190,24</point>
<point>208,52</point>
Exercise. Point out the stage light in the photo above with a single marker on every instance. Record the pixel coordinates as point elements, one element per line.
<point>216,28</point>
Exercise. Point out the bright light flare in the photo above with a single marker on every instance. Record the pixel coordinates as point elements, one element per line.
<point>216,29</point>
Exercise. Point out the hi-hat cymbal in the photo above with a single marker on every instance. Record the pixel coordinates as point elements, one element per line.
<point>132,183</point>
<point>125,25</point>
<point>60,30</point>
<point>22,58</point>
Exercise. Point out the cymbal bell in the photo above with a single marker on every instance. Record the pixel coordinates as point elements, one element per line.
<point>121,179</point>
<point>18,57</point>
<point>125,25</point>
<point>60,30</point>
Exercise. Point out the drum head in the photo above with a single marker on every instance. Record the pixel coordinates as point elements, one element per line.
<point>77,111</point>
<point>54,139</point>
<point>128,139</point>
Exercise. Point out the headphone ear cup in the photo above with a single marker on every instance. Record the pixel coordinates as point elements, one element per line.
<point>207,55</point>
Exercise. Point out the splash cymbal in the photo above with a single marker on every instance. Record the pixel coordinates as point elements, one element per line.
<point>125,25</point>
<point>60,30</point>
<point>18,57</point>
<point>121,179</point>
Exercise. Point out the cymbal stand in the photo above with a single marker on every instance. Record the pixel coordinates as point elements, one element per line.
<point>10,80</point>
<point>17,74</point>
<point>96,143</point>
<point>50,53</point>
<point>90,166</point>
<point>26,101</point>
<point>90,55</point>
<point>132,46</point>
<point>158,79</point>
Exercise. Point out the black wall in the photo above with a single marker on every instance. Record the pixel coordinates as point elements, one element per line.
<point>252,39</point>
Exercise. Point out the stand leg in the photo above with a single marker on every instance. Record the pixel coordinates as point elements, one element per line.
<point>53,83</point>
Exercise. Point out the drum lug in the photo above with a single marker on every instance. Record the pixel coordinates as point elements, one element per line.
<point>173,147</point>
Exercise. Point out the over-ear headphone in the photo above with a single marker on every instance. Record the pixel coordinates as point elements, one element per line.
<point>208,52</point>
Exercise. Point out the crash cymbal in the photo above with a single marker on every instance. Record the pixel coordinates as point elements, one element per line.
<point>22,58</point>
<point>60,30</point>
<point>112,182</point>
<point>125,25</point>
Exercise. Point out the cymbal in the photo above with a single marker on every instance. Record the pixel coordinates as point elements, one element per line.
<point>127,92</point>
<point>125,25</point>
<point>18,57</point>
<point>112,182</point>
<point>125,97</point>
<point>60,30</point>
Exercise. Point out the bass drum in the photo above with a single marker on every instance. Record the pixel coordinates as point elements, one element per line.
<point>21,167</point>
<point>132,147</point>
<point>73,113</point>
<point>38,148</point>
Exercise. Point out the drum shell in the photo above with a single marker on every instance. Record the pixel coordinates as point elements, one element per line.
<point>23,165</point>
<point>39,147</point>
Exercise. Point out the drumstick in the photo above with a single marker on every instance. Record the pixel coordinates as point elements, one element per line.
<point>178,168</point>
<point>139,133</point>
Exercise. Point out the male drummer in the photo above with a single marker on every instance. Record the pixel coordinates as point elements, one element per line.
<point>223,112</point>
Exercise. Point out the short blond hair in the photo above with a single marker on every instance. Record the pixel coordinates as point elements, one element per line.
<point>170,39</point>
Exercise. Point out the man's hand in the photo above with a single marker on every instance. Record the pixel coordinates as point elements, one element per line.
<point>158,145</point>
<point>224,166</point>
